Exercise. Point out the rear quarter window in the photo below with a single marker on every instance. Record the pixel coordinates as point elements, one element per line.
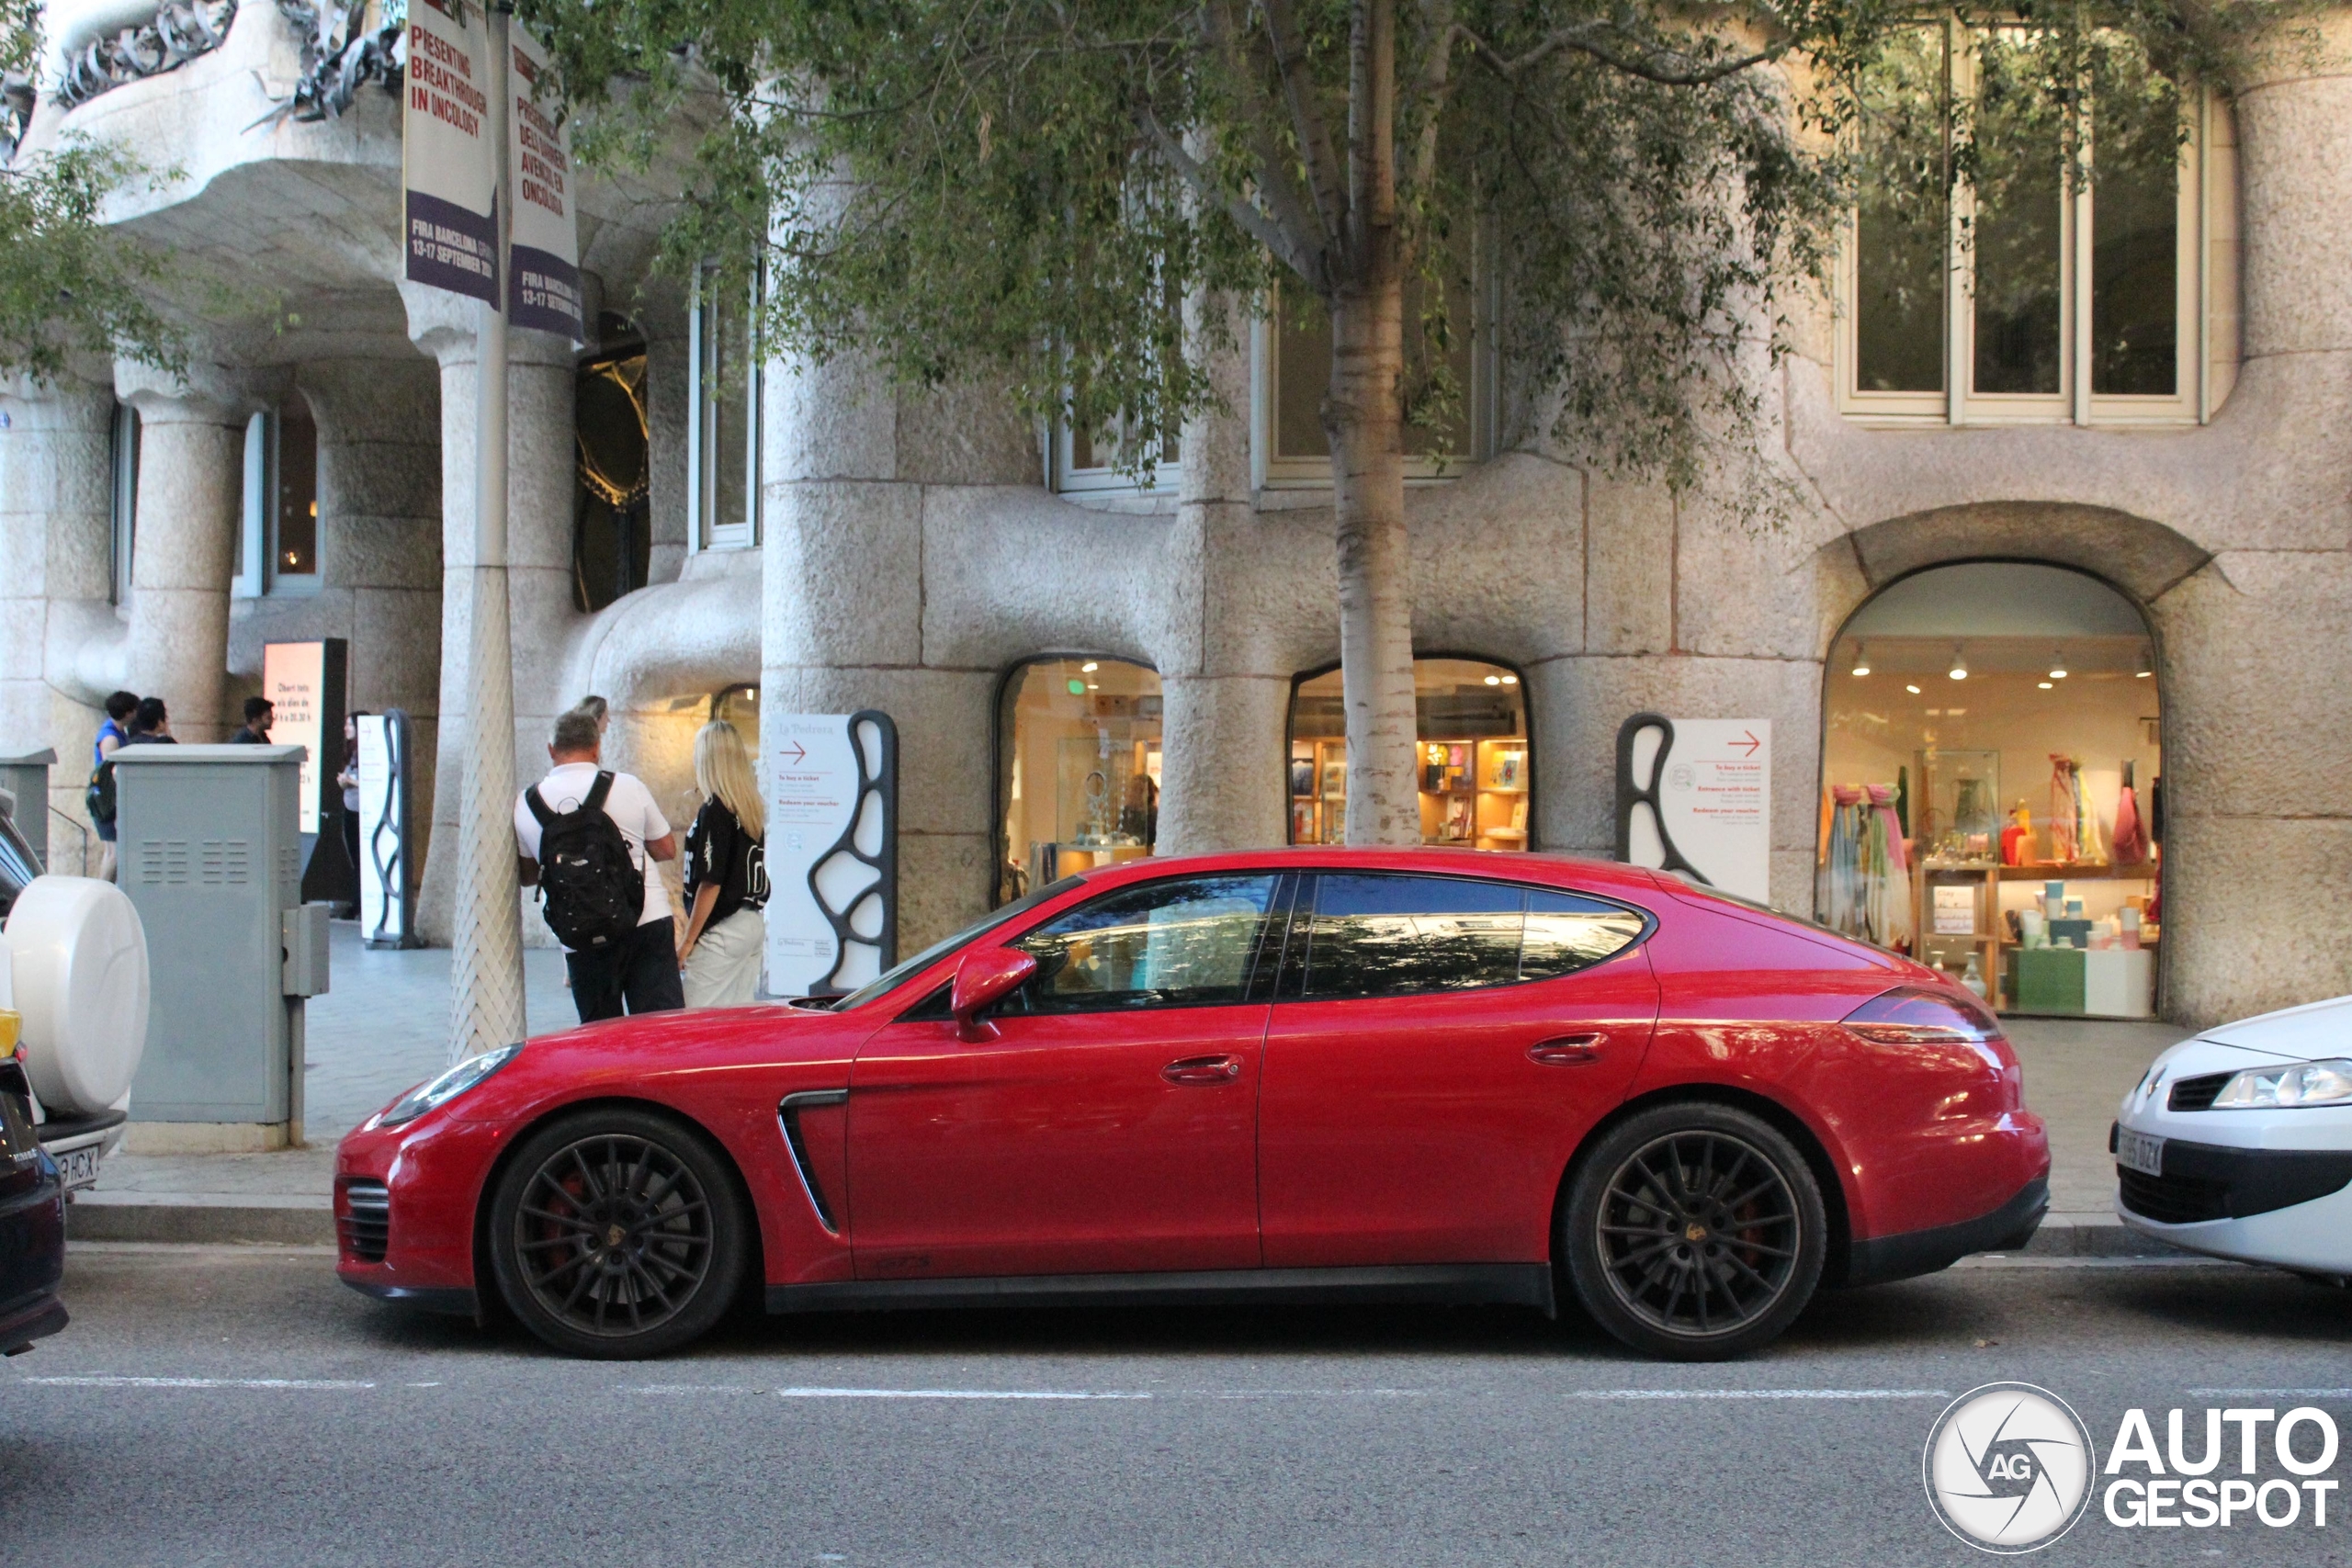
<point>1376,934</point>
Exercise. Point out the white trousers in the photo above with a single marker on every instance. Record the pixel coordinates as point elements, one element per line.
<point>724,968</point>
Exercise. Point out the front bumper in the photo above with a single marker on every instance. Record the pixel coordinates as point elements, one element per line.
<point>432,1175</point>
<point>2288,1207</point>
<point>1877,1259</point>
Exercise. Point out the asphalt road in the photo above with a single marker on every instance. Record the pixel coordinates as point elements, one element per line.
<point>237,1406</point>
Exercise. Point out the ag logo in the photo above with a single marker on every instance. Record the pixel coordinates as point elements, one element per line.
<point>2009,1467</point>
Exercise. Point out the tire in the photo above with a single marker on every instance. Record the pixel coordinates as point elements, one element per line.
<point>618,1234</point>
<point>1693,1232</point>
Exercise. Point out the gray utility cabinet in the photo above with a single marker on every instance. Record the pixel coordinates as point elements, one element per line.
<point>211,857</point>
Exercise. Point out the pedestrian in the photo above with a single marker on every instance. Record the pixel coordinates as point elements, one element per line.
<point>99,797</point>
<point>151,725</point>
<point>589,838</point>
<point>347,780</point>
<point>727,875</point>
<point>260,714</point>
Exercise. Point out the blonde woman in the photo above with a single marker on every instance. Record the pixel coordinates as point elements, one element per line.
<point>726,875</point>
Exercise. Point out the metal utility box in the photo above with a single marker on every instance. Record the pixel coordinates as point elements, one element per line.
<point>27,778</point>
<point>211,856</point>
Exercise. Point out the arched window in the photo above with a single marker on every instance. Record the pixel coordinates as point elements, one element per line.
<point>1992,792</point>
<point>1077,767</point>
<point>1471,748</point>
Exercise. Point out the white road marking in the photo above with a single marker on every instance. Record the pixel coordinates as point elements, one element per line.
<point>950,1394</point>
<point>110,1380</point>
<point>2275,1393</point>
<point>1761,1394</point>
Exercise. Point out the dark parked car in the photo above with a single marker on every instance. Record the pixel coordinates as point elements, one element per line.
<point>33,1212</point>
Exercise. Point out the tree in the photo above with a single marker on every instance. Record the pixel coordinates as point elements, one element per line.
<point>1019,189</point>
<point>67,286</point>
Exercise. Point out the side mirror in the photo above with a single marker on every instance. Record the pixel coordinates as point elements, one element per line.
<point>982,980</point>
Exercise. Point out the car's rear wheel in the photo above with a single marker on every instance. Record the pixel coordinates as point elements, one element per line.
<point>1694,1231</point>
<point>617,1232</point>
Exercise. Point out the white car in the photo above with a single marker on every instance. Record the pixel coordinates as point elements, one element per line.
<point>2238,1143</point>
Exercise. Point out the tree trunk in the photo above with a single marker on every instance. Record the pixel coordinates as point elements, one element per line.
<point>1363,418</point>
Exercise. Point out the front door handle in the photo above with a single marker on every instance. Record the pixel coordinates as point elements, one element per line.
<point>1203,1070</point>
<point>1567,1050</point>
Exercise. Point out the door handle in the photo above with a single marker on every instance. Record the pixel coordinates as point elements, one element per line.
<point>1567,1050</point>
<point>1203,1070</point>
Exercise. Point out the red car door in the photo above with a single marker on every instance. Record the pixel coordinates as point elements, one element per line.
<point>1109,1123</point>
<point>1438,1046</point>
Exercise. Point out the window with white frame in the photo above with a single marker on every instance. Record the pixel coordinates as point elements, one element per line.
<point>279,549</point>
<point>1292,353</point>
<point>1101,459</point>
<point>1985,282</point>
<point>124,467</point>
<point>723,420</point>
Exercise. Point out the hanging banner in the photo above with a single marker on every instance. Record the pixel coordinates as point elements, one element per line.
<point>544,250</point>
<point>304,684</point>
<point>385,918</point>
<point>449,170</point>
<point>1694,797</point>
<point>832,850</point>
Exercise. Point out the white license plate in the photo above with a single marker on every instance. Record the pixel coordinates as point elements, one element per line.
<point>2142,1152</point>
<point>78,1167</point>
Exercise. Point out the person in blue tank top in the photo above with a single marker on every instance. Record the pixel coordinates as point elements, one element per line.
<point>121,705</point>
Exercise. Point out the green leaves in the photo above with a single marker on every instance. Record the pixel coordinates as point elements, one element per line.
<point>68,285</point>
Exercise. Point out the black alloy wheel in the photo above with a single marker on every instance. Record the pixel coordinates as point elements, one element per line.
<point>618,1234</point>
<point>1694,1231</point>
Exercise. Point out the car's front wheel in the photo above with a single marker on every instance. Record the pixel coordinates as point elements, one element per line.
<point>617,1232</point>
<point>1694,1231</point>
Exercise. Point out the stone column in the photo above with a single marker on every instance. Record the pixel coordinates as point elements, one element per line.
<point>846,463</point>
<point>56,571</point>
<point>1222,769</point>
<point>538,552</point>
<point>669,387</point>
<point>191,490</point>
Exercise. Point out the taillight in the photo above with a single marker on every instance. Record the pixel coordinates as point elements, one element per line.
<point>1923,1015</point>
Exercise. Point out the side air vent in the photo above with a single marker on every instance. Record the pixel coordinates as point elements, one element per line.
<point>366,1224</point>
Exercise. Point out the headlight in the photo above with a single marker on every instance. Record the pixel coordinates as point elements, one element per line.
<point>447,1087</point>
<point>2269,1089</point>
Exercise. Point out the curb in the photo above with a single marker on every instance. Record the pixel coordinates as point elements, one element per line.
<point>200,1218</point>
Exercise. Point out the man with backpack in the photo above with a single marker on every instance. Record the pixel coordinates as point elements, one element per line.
<point>589,838</point>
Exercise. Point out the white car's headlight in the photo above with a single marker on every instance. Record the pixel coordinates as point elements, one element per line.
<point>2270,1089</point>
<point>447,1087</point>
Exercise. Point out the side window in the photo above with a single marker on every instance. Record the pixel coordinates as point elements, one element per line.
<point>1186,942</point>
<point>1386,936</point>
<point>1566,933</point>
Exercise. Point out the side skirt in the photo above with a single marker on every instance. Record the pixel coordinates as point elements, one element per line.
<point>1515,1284</point>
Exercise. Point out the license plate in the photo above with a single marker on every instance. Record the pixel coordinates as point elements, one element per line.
<point>2142,1152</point>
<point>78,1167</point>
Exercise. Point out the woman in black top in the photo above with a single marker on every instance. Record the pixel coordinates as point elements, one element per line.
<point>727,878</point>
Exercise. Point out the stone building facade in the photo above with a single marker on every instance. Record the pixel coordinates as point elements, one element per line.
<point>909,553</point>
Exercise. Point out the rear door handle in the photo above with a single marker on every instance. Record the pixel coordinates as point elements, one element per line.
<point>1567,1050</point>
<point>1203,1070</point>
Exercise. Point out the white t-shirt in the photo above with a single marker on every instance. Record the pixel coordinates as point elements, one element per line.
<point>629,803</point>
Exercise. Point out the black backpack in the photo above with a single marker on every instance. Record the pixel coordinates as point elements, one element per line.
<point>99,796</point>
<point>594,892</point>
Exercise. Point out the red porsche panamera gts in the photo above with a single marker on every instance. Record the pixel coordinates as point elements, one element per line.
<point>1300,1075</point>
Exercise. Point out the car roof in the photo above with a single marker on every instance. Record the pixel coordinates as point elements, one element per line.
<point>1541,867</point>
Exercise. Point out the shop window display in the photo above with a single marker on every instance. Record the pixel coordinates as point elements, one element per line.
<point>1078,769</point>
<point>1470,748</point>
<point>1992,786</point>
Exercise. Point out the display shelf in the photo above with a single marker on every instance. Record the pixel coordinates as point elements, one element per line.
<point>2145,871</point>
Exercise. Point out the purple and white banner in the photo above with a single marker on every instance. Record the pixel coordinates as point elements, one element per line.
<point>450,181</point>
<point>543,288</point>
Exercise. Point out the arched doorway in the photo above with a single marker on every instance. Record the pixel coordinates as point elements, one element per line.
<point>1471,755</point>
<point>1992,796</point>
<point>1078,749</point>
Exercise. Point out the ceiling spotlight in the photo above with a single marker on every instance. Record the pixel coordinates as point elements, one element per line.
<point>1861,659</point>
<point>2146,666</point>
<point>1089,667</point>
<point>1511,679</point>
<point>2044,684</point>
<point>1494,680</point>
<point>1959,664</point>
<point>2057,665</point>
<point>1910,688</point>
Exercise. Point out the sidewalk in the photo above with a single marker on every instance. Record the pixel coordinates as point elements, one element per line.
<point>384,1028</point>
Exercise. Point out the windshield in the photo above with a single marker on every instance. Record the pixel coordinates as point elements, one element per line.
<point>892,979</point>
